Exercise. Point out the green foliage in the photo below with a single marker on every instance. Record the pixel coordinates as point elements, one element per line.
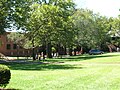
<point>20,39</point>
<point>53,49</point>
<point>4,15</point>
<point>57,22</point>
<point>91,29</point>
<point>20,12</point>
<point>51,23</point>
<point>16,37</point>
<point>5,75</point>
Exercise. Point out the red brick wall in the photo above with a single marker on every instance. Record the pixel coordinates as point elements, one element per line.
<point>12,52</point>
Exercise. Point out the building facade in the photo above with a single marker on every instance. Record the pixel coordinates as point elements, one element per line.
<point>9,48</point>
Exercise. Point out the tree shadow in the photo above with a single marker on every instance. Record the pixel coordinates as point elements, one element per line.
<point>40,66</point>
<point>52,64</point>
<point>9,89</point>
<point>80,58</point>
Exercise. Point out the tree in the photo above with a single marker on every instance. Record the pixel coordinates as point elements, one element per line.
<point>5,10</point>
<point>20,40</point>
<point>43,20</point>
<point>83,21</point>
<point>114,34</point>
<point>48,22</point>
<point>101,30</point>
<point>91,29</point>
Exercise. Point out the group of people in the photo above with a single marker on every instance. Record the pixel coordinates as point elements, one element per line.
<point>39,56</point>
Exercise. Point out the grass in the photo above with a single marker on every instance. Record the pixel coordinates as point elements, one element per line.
<point>86,72</point>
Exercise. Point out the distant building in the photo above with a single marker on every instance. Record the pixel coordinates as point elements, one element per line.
<point>9,48</point>
<point>115,34</point>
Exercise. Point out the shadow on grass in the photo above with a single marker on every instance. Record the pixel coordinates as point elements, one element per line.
<point>81,57</point>
<point>52,64</point>
<point>9,89</point>
<point>40,67</point>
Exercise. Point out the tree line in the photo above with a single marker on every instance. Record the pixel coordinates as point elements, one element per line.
<point>56,25</point>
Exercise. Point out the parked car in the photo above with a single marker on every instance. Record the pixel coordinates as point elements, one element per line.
<point>95,51</point>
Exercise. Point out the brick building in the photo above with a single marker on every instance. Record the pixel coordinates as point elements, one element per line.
<point>9,48</point>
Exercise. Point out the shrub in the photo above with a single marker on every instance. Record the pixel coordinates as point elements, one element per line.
<point>5,75</point>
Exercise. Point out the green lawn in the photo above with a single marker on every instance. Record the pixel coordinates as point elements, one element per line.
<point>86,72</point>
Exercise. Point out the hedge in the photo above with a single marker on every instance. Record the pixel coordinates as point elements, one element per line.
<point>5,75</point>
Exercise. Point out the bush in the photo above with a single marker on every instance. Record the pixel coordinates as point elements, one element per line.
<point>5,75</point>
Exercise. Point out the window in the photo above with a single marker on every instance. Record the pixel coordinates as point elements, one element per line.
<point>0,42</point>
<point>14,46</point>
<point>8,46</point>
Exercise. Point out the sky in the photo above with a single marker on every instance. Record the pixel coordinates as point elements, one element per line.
<point>109,8</point>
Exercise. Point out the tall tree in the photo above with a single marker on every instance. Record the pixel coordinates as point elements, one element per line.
<point>5,11</point>
<point>114,33</point>
<point>49,21</point>
<point>91,29</point>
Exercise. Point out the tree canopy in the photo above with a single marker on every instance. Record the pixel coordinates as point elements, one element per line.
<point>53,23</point>
<point>5,8</point>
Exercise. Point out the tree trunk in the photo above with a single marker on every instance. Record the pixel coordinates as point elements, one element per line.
<point>49,50</point>
<point>110,49</point>
<point>44,53</point>
<point>44,48</point>
<point>81,50</point>
<point>70,51</point>
<point>75,52</point>
<point>33,51</point>
<point>58,48</point>
<point>65,51</point>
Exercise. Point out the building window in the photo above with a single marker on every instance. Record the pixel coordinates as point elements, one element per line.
<point>0,42</point>
<point>14,46</point>
<point>8,46</point>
